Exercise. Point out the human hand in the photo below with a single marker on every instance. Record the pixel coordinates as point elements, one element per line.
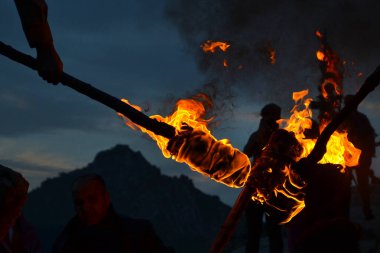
<point>50,66</point>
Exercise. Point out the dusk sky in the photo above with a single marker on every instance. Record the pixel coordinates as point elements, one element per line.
<point>149,52</point>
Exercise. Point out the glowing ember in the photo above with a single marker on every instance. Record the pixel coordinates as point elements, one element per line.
<point>211,46</point>
<point>195,146</point>
<point>331,66</point>
<point>318,34</point>
<point>272,55</point>
<point>225,64</point>
<point>320,55</point>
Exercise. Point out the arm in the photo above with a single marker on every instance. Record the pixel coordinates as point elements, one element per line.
<point>33,15</point>
<point>249,146</point>
<point>13,194</point>
<point>253,146</point>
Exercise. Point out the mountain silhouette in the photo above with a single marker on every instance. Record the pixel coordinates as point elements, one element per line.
<point>184,217</point>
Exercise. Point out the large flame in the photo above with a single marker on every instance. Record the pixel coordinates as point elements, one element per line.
<point>339,149</point>
<point>273,179</point>
<point>195,145</point>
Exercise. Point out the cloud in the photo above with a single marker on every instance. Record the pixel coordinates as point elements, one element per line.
<point>250,26</point>
<point>372,107</point>
<point>122,47</point>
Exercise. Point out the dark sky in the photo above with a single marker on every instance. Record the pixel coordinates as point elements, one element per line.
<point>149,52</point>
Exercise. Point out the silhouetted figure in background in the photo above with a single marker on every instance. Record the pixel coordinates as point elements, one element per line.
<point>97,228</point>
<point>16,234</point>
<point>362,135</point>
<point>13,194</point>
<point>255,211</point>
<point>33,14</point>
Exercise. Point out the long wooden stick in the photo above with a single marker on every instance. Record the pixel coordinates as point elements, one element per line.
<point>134,115</point>
<point>230,224</point>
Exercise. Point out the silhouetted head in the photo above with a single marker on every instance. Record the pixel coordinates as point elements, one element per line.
<point>270,114</point>
<point>271,111</point>
<point>91,199</point>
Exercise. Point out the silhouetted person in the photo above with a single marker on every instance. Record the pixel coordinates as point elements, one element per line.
<point>97,228</point>
<point>255,211</point>
<point>16,234</point>
<point>21,238</point>
<point>13,194</point>
<point>33,14</point>
<point>362,135</point>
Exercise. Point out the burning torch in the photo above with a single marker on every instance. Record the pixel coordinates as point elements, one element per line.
<point>190,144</point>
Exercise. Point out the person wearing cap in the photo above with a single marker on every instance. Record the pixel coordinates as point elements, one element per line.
<point>270,113</point>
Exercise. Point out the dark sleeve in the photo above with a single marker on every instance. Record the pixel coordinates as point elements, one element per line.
<point>63,240</point>
<point>251,146</point>
<point>33,15</point>
<point>146,240</point>
<point>13,194</point>
<point>29,236</point>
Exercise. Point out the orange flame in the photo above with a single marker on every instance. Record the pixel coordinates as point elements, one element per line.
<point>297,197</point>
<point>195,146</point>
<point>225,63</point>
<point>127,121</point>
<point>339,149</point>
<point>332,65</point>
<point>320,55</point>
<point>272,55</point>
<point>211,46</point>
<point>219,160</point>
<point>319,34</point>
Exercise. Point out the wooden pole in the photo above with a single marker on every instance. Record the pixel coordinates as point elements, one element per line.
<point>86,89</point>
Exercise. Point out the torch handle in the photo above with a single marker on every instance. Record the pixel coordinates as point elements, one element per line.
<point>229,226</point>
<point>88,90</point>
